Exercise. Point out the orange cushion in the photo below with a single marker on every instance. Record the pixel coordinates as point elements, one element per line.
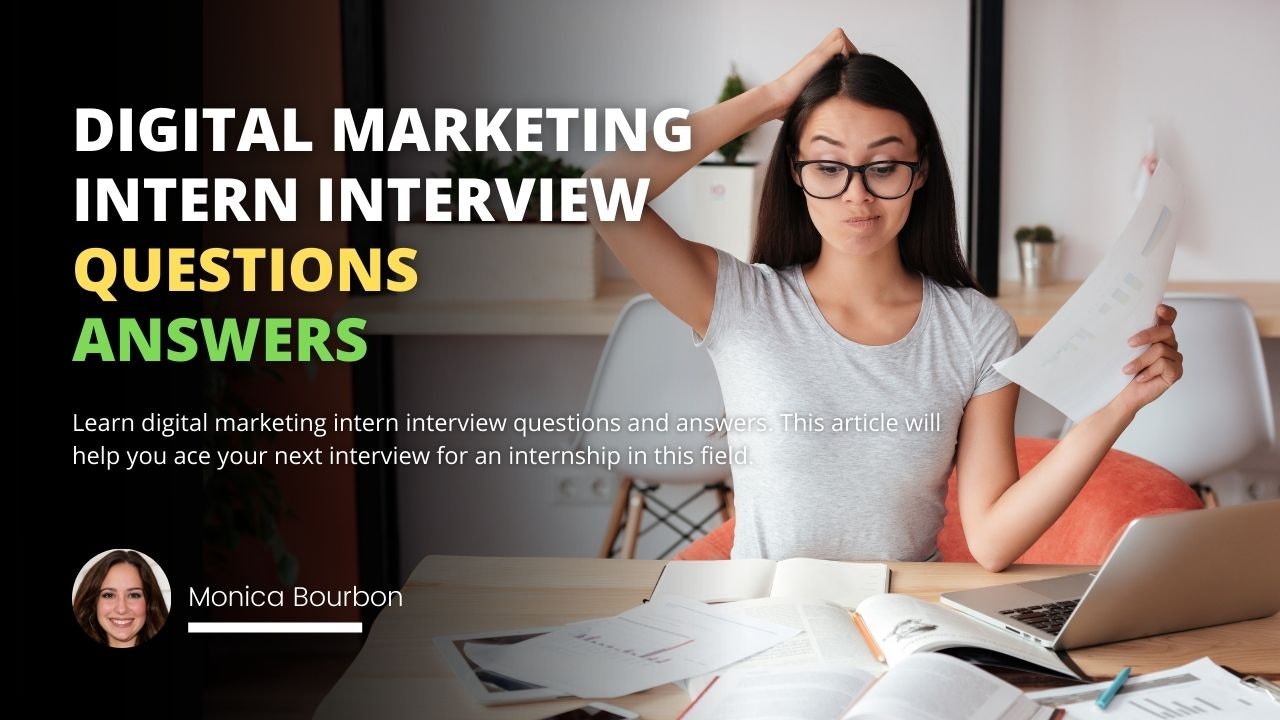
<point>715,545</point>
<point>1123,487</point>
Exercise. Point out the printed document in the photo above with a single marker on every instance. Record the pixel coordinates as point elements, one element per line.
<point>1074,363</point>
<point>1197,689</point>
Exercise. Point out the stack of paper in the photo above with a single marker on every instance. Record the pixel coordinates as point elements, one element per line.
<point>664,641</point>
<point>1200,689</point>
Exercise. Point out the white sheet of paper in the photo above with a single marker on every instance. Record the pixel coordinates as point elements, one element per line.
<point>663,641</point>
<point>826,634</point>
<point>1196,689</point>
<point>1074,363</point>
<point>811,691</point>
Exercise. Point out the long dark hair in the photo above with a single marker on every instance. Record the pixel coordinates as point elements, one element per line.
<point>85,604</point>
<point>929,242</point>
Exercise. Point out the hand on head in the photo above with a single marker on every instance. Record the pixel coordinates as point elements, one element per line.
<point>788,86</point>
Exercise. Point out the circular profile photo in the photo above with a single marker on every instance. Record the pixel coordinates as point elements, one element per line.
<point>121,598</point>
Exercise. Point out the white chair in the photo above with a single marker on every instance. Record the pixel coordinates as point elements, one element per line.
<point>1220,411</point>
<point>650,370</point>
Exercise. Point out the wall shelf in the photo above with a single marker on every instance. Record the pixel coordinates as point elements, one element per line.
<point>398,315</point>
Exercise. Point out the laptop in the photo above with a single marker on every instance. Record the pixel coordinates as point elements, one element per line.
<point>1168,573</point>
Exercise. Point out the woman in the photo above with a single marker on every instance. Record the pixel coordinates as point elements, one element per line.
<point>859,307</point>
<point>119,602</point>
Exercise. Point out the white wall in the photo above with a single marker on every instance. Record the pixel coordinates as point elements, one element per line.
<point>581,53</point>
<point>1082,80</point>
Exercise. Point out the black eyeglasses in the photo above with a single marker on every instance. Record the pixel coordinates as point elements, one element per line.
<point>826,179</point>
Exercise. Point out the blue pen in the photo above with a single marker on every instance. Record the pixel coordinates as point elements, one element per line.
<point>1105,699</point>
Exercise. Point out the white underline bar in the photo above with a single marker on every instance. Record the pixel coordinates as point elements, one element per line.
<point>274,627</point>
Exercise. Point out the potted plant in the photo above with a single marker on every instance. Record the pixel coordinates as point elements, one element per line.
<point>1037,251</point>
<point>733,87</point>
<point>505,261</point>
<point>724,196</point>
<point>536,166</point>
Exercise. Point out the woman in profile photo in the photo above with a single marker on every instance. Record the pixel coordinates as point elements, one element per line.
<point>119,602</point>
<point>857,304</point>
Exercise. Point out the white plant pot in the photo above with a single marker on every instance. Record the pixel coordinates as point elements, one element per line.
<point>724,202</point>
<point>1037,261</point>
<point>503,261</point>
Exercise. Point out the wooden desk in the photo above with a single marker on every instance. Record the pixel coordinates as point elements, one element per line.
<point>400,315</point>
<point>399,673</point>
<point>1031,309</point>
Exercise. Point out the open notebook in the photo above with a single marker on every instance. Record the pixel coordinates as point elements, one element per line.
<point>843,583</point>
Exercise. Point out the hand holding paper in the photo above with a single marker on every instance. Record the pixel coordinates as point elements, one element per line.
<point>1159,366</point>
<point>1077,361</point>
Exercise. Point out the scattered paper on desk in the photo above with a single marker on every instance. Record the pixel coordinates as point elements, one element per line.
<point>1197,689</point>
<point>826,634</point>
<point>1074,363</point>
<point>663,641</point>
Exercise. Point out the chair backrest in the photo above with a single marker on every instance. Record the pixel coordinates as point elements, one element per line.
<point>650,370</point>
<point>1220,411</point>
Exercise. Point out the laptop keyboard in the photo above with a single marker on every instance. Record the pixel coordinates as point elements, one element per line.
<point>1048,618</point>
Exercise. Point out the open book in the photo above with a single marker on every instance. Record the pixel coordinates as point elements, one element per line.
<point>902,626</point>
<point>843,583</point>
<point>922,687</point>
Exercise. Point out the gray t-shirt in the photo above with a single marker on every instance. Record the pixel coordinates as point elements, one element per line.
<point>869,490</point>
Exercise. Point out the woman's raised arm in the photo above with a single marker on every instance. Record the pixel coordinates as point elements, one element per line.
<point>1003,515</point>
<point>682,274</point>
